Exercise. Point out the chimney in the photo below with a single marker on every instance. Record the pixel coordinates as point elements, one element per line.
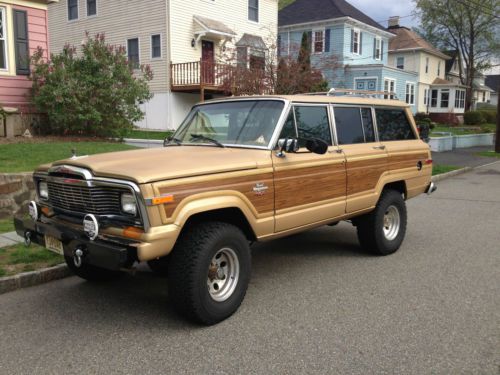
<point>393,22</point>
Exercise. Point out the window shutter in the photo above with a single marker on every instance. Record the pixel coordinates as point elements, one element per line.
<point>21,42</point>
<point>309,39</point>
<point>352,40</point>
<point>382,50</point>
<point>327,40</point>
<point>375,48</point>
<point>360,43</point>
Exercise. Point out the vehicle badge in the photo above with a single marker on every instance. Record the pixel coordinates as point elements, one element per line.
<point>260,188</point>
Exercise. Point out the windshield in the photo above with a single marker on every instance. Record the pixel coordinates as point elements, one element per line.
<point>231,123</point>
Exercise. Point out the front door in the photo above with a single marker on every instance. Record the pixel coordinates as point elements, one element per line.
<point>309,188</point>
<point>207,62</point>
<point>366,157</point>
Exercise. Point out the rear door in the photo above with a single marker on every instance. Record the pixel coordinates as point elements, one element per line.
<point>407,154</point>
<point>366,157</point>
<point>309,188</point>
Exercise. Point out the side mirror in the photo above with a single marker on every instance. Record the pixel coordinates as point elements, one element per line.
<point>166,141</point>
<point>316,145</point>
<point>288,145</point>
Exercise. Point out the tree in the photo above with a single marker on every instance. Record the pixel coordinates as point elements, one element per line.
<point>470,27</point>
<point>95,92</point>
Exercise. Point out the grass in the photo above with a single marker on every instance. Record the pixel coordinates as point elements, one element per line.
<point>19,258</point>
<point>25,157</point>
<point>463,130</point>
<point>440,169</point>
<point>146,134</point>
<point>6,225</point>
<point>490,154</point>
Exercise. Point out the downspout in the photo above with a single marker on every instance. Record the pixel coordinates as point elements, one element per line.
<point>169,64</point>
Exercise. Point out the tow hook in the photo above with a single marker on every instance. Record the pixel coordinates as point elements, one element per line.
<point>78,257</point>
<point>27,238</point>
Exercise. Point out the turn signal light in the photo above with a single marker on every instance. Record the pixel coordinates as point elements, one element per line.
<point>133,232</point>
<point>163,199</point>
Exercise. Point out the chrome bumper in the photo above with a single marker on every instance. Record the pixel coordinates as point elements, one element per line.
<point>431,188</point>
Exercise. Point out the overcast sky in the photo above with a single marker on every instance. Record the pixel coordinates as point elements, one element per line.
<point>381,10</point>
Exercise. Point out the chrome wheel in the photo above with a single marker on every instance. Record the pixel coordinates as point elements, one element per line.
<point>223,274</point>
<point>392,221</point>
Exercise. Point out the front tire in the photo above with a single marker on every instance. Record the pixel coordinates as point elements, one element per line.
<point>92,273</point>
<point>382,231</point>
<point>209,271</point>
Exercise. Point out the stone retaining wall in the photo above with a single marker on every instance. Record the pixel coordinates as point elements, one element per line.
<point>16,190</point>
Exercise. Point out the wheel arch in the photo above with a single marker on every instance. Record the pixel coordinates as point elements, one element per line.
<point>399,186</point>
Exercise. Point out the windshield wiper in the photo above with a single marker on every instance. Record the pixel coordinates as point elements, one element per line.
<point>208,139</point>
<point>168,141</point>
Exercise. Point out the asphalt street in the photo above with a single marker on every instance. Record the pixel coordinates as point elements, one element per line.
<point>316,304</point>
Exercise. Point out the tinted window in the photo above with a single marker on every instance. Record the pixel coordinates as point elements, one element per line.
<point>393,125</point>
<point>312,122</point>
<point>349,126</point>
<point>289,130</point>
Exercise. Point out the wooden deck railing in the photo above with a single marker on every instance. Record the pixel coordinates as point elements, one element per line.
<point>200,73</point>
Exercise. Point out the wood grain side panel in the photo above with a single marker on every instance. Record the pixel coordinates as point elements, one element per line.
<point>363,175</point>
<point>299,186</point>
<point>262,202</point>
<point>409,160</point>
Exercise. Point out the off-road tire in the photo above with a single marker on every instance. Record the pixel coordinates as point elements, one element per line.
<point>370,227</point>
<point>92,273</point>
<point>189,267</point>
<point>159,266</point>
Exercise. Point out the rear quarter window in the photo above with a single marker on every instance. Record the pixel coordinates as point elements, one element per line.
<point>354,125</point>
<point>393,125</point>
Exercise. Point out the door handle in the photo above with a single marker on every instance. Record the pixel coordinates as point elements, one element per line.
<point>382,147</point>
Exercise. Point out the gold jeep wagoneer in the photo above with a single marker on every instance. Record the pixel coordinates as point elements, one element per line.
<point>236,171</point>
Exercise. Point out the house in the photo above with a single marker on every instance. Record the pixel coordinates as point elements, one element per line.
<point>186,43</point>
<point>443,99</point>
<point>481,92</point>
<point>355,42</point>
<point>493,82</point>
<point>23,28</point>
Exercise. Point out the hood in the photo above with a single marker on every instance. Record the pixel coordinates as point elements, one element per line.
<point>156,164</point>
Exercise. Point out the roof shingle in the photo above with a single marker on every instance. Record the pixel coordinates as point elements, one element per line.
<point>409,39</point>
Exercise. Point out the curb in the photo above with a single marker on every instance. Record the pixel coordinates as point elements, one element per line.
<point>446,175</point>
<point>26,279</point>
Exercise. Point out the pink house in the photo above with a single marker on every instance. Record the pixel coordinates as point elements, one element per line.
<point>23,28</point>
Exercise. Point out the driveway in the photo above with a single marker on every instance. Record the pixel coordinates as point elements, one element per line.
<point>316,304</point>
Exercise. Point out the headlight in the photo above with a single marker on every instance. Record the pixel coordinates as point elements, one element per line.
<point>129,205</point>
<point>43,190</point>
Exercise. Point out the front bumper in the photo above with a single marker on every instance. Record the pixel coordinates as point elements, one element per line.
<point>110,254</point>
<point>431,188</point>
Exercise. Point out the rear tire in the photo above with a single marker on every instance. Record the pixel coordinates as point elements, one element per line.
<point>92,273</point>
<point>382,231</point>
<point>209,271</point>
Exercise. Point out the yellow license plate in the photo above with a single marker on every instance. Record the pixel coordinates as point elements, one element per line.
<point>53,244</point>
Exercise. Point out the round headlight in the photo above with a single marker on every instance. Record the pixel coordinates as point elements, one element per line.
<point>129,206</point>
<point>43,190</point>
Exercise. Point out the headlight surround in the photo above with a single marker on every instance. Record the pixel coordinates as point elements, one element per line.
<point>43,190</point>
<point>129,204</point>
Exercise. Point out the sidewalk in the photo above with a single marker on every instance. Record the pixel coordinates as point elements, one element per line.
<point>9,239</point>
<point>463,157</point>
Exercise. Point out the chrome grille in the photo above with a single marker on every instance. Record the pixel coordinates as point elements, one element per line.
<point>97,200</point>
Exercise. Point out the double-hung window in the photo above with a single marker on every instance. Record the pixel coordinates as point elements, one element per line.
<point>426,65</point>
<point>356,42</point>
<point>72,10</point>
<point>318,41</point>
<point>445,98</point>
<point>410,93</point>
<point>3,39</point>
<point>156,46</point>
<point>91,8</point>
<point>400,62</point>
<point>434,98</point>
<point>253,10</point>
<point>459,99</point>
<point>133,52</point>
<point>389,87</point>
<point>378,49</point>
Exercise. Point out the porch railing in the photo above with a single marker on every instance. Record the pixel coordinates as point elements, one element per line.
<point>201,73</point>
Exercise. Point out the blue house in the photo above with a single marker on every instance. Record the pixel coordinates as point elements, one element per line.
<point>347,46</point>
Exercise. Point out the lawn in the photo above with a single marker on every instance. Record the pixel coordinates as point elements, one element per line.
<point>148,134</point>
<point>463,129</point>
<point>439,169</point>
<point>490,154</point>
<point>19,258</point>
<point>6,225</point>
<point>25,157</point>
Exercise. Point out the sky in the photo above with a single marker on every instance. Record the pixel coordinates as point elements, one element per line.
<point>381,10</point>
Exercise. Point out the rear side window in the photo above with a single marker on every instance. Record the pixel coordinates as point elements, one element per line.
<point>311,122</point>
<point>393,125</point>
<point>354,125</point>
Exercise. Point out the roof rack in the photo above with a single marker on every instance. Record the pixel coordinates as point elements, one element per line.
<point>358,93</point>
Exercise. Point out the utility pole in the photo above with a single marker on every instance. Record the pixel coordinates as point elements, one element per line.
<point>497,142</point>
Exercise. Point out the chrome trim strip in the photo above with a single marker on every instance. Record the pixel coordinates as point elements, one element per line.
<point>69,169</point>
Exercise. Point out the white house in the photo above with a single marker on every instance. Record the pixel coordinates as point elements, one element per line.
<point>185,42</point>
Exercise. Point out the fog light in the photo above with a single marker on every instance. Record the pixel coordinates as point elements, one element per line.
<point>33,210</point>
<point>43,190</point>
<point>129,206</point>
<point>90,226</point>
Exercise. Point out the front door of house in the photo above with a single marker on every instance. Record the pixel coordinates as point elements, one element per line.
<point>207,62</point>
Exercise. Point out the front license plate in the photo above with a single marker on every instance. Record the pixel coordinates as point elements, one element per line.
<point>53,244</point>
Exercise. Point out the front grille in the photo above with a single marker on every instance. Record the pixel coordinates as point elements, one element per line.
<point>99,200</point>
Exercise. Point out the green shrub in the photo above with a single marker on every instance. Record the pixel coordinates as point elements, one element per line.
<point>474,118</point>
<point>92,93</point>
<point>422,117</point>
<point>489,116</point>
